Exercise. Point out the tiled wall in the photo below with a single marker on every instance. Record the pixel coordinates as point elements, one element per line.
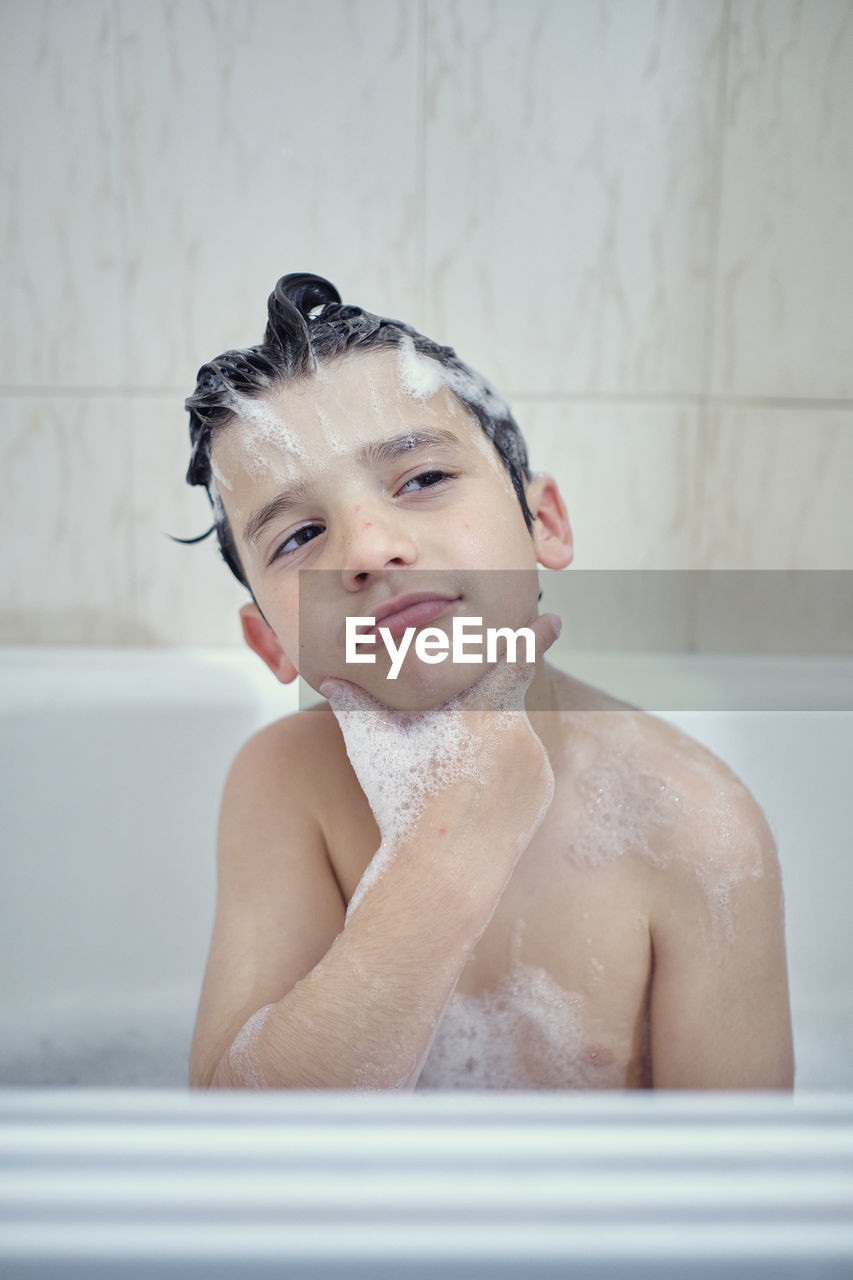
<point>635,216</point>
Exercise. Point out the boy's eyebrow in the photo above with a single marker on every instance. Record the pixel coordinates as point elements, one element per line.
<point>377,451</point>
<point>271,510</point>
<point>385,450</point>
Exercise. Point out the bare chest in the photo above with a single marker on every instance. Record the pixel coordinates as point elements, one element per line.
<point>555,992</point>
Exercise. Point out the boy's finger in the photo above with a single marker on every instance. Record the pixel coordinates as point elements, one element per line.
<point>504,684</point>
<point>546,628</point>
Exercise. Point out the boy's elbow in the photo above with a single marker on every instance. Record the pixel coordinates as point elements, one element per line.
<point>201,1079</point>
<point>215,1075</point>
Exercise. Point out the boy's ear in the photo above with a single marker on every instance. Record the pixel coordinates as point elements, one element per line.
<point>260,637</point>
<point>552,533</point>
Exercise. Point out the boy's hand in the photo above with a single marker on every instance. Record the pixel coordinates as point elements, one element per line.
<point>470,776</point>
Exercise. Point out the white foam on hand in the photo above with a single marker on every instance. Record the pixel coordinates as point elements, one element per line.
<point>404,759</point>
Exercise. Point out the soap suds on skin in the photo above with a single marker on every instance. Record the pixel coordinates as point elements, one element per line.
<point>242,1056</point>
<point>422,377</point>
<point>632,808</point>
<point>527,1032</point>
<point>401,760</point>
<point>400,771</point>
<point>216,501</point>
<point>262,427</point>
<point>220,480</point>
<point>269,443</point>
<point>331,439</point>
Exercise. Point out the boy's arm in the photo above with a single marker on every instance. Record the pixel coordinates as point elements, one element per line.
<point>278,906</point>
<point>720,1014</point>
<point>354,1005</point>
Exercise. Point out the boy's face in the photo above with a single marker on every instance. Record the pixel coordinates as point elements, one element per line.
<point>378,492</point>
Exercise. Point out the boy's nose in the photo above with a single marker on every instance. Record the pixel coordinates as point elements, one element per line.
<point>375,541</point>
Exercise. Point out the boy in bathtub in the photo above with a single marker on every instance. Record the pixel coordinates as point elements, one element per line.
<point>460,875</point>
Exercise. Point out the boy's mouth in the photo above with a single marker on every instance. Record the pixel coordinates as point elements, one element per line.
<point>415,609</point>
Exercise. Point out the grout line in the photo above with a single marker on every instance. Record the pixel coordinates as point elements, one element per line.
<point>717,202</point>
<point>695,400</point>
<point>422,160</point>
<point>604,397</point>
<point>93,393</point>
<point>707,401</point>
<point>121,180</point>
<point>696,522</point>
<point>120,169</point>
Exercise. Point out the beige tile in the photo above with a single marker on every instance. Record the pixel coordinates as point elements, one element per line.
<point>776,489</point>
<point>797,611</point>
<point>66,569</point>
<point>785,277</point>
<point>61,266</point>
<point>570,190</point>
<point>776,498</point>
<point>262,139</point>
<point>624,610</point>
<point>627,473</point>
<point>185,594</point>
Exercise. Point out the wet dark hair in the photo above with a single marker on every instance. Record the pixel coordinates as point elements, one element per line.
<point>307,326</point>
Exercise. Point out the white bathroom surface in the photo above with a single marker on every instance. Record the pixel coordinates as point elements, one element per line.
<point>112,764</point>
<point>105,1184</point>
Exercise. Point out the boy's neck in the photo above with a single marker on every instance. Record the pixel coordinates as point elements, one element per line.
<point>541,694</point>
<point>547,694</point>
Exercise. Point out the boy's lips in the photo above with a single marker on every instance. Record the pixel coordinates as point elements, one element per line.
<point>417,609</point>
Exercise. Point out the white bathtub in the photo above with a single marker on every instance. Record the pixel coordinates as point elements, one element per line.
<point>112,766</point>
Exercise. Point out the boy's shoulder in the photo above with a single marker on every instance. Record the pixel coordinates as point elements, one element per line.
<point>297,768</point>
<point>643,776</point>
<point>296,749</point>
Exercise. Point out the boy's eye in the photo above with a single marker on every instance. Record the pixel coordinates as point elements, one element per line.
<point>426,479</point>
<point>297,540</point>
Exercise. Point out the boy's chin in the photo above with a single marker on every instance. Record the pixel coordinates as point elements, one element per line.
<point>418,687</point>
